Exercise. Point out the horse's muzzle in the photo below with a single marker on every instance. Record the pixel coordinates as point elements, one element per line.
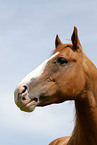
<point>22,99</point>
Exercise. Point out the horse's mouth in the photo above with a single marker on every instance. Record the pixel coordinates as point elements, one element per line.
<point>30,106</point>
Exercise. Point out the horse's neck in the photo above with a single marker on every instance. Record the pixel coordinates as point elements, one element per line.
<point>86,121</point>
<point>85,132</point>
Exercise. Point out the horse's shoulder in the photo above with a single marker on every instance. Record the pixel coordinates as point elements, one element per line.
<point>60,141</point>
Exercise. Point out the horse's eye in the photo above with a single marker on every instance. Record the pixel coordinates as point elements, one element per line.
<point>62,60</point>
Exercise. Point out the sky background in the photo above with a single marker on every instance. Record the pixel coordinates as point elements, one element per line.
<point>27,37</point>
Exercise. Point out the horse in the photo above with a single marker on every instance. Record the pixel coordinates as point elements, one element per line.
<point>67,75</point>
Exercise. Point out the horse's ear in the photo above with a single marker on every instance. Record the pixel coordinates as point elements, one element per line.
<point>57,41</point>
<point>75,40</point>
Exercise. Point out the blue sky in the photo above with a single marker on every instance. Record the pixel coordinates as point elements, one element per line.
<point>27,34</point>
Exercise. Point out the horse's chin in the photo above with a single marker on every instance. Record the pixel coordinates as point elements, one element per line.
<point>29,107</point>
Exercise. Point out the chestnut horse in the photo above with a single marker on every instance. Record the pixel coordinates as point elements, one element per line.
<point>67,75</point>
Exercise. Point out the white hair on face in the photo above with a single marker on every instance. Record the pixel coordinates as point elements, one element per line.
<point>38,71</point>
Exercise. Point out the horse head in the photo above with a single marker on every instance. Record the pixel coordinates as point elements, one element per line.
<point>59,78</point>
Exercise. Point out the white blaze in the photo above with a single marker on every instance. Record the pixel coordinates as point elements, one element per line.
<point>38,71</point>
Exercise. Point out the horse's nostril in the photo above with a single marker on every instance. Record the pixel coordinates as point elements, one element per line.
<point>25,88</point>
<point>23,98</point>
<point>23,91</point>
